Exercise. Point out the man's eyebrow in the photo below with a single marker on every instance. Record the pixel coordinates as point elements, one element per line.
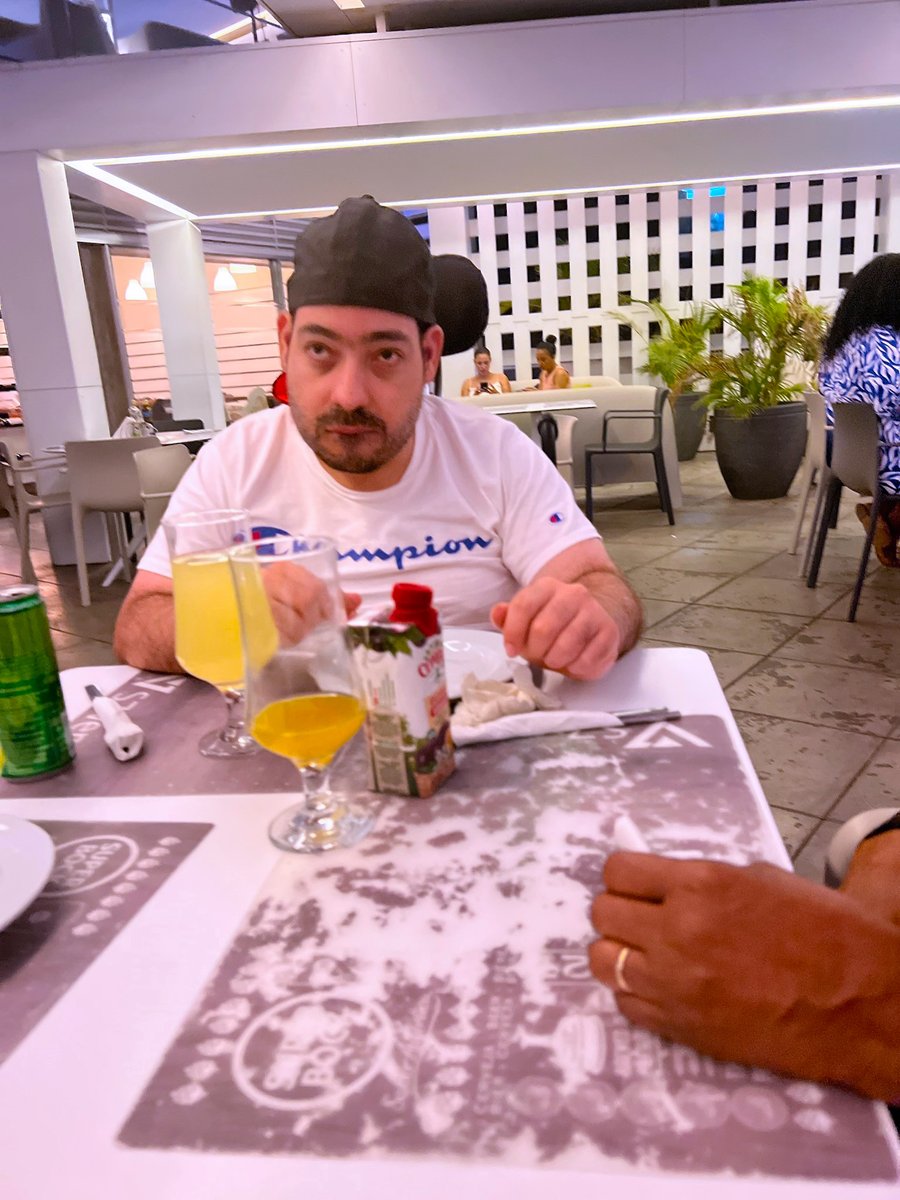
<point>379,335</point>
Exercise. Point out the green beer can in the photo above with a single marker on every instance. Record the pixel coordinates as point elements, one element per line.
<point>35,738</point>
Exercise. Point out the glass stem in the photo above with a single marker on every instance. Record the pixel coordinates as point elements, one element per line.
<point>234,725</point>
<point>316,795</point>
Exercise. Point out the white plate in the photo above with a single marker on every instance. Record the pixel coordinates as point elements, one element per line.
<point>477,650</point>
<point>26,860</point>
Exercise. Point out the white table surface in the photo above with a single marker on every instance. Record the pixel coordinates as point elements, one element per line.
<point>537,406</point>
<point>169,437</point>
<point>66,1090</point>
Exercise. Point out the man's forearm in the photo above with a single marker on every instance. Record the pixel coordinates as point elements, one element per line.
<point>616,595</point>
<point>145,633</point>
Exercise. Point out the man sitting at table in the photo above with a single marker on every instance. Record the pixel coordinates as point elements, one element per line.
<point>757,966</point>
<point>409,486</point>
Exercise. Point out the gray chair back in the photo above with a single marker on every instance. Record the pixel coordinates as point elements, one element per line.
<point>103,476</point>
<point>159,471</point>
<point>589,431</point>
<point>854,454</point>
<point>818,427</point>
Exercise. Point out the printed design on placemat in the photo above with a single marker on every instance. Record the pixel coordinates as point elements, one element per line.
<point>104,873</point>
<point>174,711</point>
<point>427,993</point>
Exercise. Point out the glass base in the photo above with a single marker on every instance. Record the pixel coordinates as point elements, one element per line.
<point>227,743</point>
<point>308,831</point>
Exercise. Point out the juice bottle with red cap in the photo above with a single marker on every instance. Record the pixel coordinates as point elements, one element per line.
<point>401,662</point>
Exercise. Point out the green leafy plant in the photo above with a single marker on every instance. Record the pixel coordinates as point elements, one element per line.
<point>674,353</point>
<point>779,330</point>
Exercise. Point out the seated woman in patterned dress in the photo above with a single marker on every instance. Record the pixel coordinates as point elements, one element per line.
<point>862,365</point>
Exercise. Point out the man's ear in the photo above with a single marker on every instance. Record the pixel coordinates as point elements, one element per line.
<point>285,327</point>
<point>432,348</point>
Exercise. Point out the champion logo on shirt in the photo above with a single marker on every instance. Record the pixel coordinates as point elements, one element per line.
<point>556,518</point>
<point>400,555</point>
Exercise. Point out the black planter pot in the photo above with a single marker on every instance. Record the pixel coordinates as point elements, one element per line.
<point>759,455</point>
<point>690,425</point>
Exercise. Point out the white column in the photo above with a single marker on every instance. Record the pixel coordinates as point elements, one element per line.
<point>179,272</point>
<point>48,324</point>
<point>889,238</point>
<point>448,234</point>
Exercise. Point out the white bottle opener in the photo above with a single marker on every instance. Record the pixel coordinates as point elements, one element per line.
<point>122,736</point>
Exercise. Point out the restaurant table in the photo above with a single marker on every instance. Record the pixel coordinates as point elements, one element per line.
<point>541,411</point>
<point>170,437</point>
<point>72,1084</point>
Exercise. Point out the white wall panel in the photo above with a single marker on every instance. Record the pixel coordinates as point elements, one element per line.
<point>578,287</point>
<point>831,239</point>
<point>807,47</point>
<point>487,256</point>
<point>547,259</point>
<point>519,282</point>
<point>734,268</point>
<point>700,244</point>
<point>765,228</point>
<point>889,233</point>
<point>668,246</point>
<point>609,298</point>
<point>798,258</point>
<point>864,226</point>
<point>798,227</point>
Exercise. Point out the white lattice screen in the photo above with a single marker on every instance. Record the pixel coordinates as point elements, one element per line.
<point>563,266</point>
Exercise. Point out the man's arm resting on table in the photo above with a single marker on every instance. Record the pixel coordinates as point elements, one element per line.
<point>757,966</point>
<point>145,629</point>
<point>577,616</point>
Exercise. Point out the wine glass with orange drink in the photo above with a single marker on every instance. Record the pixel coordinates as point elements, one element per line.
<point>303,698</point>
<point>207,626</point>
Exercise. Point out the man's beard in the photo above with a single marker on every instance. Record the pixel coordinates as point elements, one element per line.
<point>351,458</point>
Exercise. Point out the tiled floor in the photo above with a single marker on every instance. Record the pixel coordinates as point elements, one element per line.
<point>817,699</point>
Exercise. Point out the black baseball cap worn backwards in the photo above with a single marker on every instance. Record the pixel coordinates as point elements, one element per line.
<point>364,256</point>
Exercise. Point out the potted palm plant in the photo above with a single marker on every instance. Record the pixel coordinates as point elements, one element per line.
<point>672,357</point>
<point>755,392</point>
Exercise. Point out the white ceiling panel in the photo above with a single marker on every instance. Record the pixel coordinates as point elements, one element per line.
<point>807,143</point>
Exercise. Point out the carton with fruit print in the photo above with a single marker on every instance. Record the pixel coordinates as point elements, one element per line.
<point>400,659</point>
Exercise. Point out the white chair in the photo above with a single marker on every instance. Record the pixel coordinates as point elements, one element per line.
<point>814,462</point>
<point>18,495</point>
<point>103,478</point>
<point>159,472</point>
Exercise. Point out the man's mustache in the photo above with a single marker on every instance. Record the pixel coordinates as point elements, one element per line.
<point>360,417</point>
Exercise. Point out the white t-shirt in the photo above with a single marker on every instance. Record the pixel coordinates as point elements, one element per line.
<point>478,512</point>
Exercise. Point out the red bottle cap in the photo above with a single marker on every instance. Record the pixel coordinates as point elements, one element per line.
<point>412,606</point>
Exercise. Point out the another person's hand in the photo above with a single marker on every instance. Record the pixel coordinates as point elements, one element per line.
<point>753,965</point>
<point>561,626</point>
<point>300,600</point>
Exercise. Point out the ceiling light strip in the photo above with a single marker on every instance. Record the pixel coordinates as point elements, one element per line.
<point>852,104</point>
<point>132,189</point>
<point>585,190</point>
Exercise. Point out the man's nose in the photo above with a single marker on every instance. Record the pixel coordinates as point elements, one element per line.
<point>349,385</point>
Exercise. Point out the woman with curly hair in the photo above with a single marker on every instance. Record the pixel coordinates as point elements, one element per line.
<point>862,365</point>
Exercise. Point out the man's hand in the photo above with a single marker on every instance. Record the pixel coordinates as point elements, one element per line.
<point>299,600</point>
<point>561,626</point>
<point>754,965</point>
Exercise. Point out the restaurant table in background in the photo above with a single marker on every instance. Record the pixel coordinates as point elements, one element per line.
<point>543,424</point>
<point>163,1042</point>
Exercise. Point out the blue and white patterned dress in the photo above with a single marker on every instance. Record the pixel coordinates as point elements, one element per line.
<point>866,370</point>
